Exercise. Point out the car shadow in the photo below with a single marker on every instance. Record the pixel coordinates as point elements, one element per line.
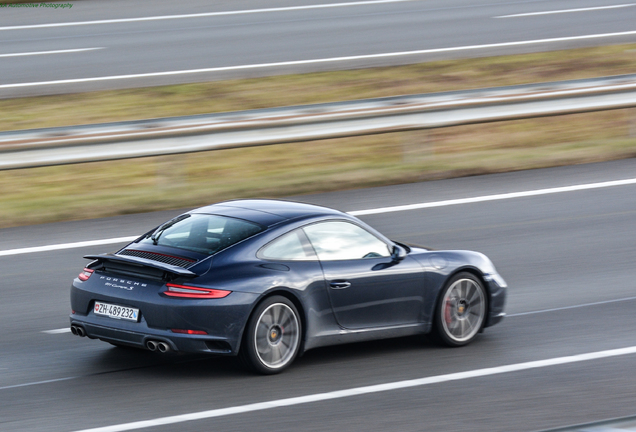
<point>186,366</point>
<point>118,359</point>
<point>372,349</point>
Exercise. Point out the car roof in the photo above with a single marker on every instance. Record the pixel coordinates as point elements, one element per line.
<point>266,212</point>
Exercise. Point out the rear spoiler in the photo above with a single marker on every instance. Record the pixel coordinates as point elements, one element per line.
<point>141,262</point>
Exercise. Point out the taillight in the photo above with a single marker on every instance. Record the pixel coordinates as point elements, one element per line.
<point>175,290</point>
<point>85,274</point>
<point>190,332</point>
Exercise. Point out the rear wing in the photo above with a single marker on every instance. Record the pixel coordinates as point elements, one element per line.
<point>142,267</point>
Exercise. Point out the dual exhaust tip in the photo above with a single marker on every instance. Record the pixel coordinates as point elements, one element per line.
<point>152,345</point>
<point>78,331</point>
<point>162,347</point>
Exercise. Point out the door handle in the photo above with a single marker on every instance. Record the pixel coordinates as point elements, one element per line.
<point>339,284</point>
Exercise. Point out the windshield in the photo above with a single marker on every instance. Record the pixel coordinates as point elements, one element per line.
<point>202,233</point>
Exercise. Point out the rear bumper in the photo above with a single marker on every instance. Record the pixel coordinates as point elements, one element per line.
<point>142,334</point>
<point>223,320</point>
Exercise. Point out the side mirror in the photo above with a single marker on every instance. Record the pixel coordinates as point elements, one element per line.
<point>398,253</point>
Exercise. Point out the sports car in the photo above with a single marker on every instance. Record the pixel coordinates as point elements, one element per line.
<point>268,280</point>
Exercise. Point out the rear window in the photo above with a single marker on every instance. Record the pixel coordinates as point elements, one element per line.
<point>202,233</point>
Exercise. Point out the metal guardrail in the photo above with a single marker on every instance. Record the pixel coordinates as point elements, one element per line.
<point>101,142</point>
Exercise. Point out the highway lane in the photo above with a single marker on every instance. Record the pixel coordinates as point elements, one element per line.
<point>555,251</point>
<point>195,41</point>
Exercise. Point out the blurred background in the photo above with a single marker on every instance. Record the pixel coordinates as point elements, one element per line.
<point>568,257</point>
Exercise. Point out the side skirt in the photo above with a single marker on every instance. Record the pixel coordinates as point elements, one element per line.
<point>343,336</point>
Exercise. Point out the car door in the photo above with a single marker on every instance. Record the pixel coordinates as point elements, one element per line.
<point>367,288</point>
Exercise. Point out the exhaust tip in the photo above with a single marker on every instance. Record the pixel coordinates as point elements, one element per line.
<point>163,347</point>
<point>151,345</point>
<point>78,331</point>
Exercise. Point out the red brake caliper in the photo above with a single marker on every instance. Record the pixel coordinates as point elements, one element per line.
<point>447,311</point>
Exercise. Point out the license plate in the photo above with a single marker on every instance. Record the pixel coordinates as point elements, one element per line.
<point>117,312</point>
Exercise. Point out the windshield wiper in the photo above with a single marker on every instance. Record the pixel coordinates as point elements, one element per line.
<point>155,235</point>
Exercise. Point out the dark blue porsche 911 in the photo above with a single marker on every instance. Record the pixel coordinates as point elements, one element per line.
<point>267,280</point>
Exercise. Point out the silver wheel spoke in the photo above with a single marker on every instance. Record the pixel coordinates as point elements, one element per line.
<point>263,347</point>
<point>453,325</point>
<point>456,330</point>
<point>276,354</point>
<point>262,327</point>
<point>286,318</point>
<point>470,325</point>
<point>470,297</point>
<point>275,312</point>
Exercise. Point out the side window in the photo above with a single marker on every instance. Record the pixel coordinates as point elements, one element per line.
<point>344,241</point>
<point>289,247</point>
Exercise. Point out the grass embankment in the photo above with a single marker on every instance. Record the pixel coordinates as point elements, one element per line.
<point>103,189</point>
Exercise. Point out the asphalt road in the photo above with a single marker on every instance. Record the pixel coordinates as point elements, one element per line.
<point>568,258</point>
<point>119,44</point>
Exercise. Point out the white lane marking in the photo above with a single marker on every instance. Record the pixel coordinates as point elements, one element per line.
<point>49,52</point>
<point>205,14</point>
<point>496,197</point>
<point>571,307</point>
<point>357,391</point>
<point>37,383</point>
<point>316,61</point>
<point>58,331</point>
<point>359,212</point>
<point>567,11</point>
<point>67,246</point>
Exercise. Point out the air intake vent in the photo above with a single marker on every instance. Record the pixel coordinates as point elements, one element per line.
<point>167,259</point>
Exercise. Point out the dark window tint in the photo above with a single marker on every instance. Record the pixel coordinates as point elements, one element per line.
<point>204,233</point>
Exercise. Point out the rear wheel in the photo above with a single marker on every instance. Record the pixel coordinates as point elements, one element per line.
<point>461,310</point>
<point>272,336</point>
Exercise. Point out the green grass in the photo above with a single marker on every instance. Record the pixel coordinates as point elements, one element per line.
<point>111,188</point>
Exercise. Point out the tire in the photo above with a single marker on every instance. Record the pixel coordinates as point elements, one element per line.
<point>272,337</point>
<point>461,310</point>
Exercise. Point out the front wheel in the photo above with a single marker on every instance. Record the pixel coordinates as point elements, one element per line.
<point>461,310</point>
<point>272,336</point>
